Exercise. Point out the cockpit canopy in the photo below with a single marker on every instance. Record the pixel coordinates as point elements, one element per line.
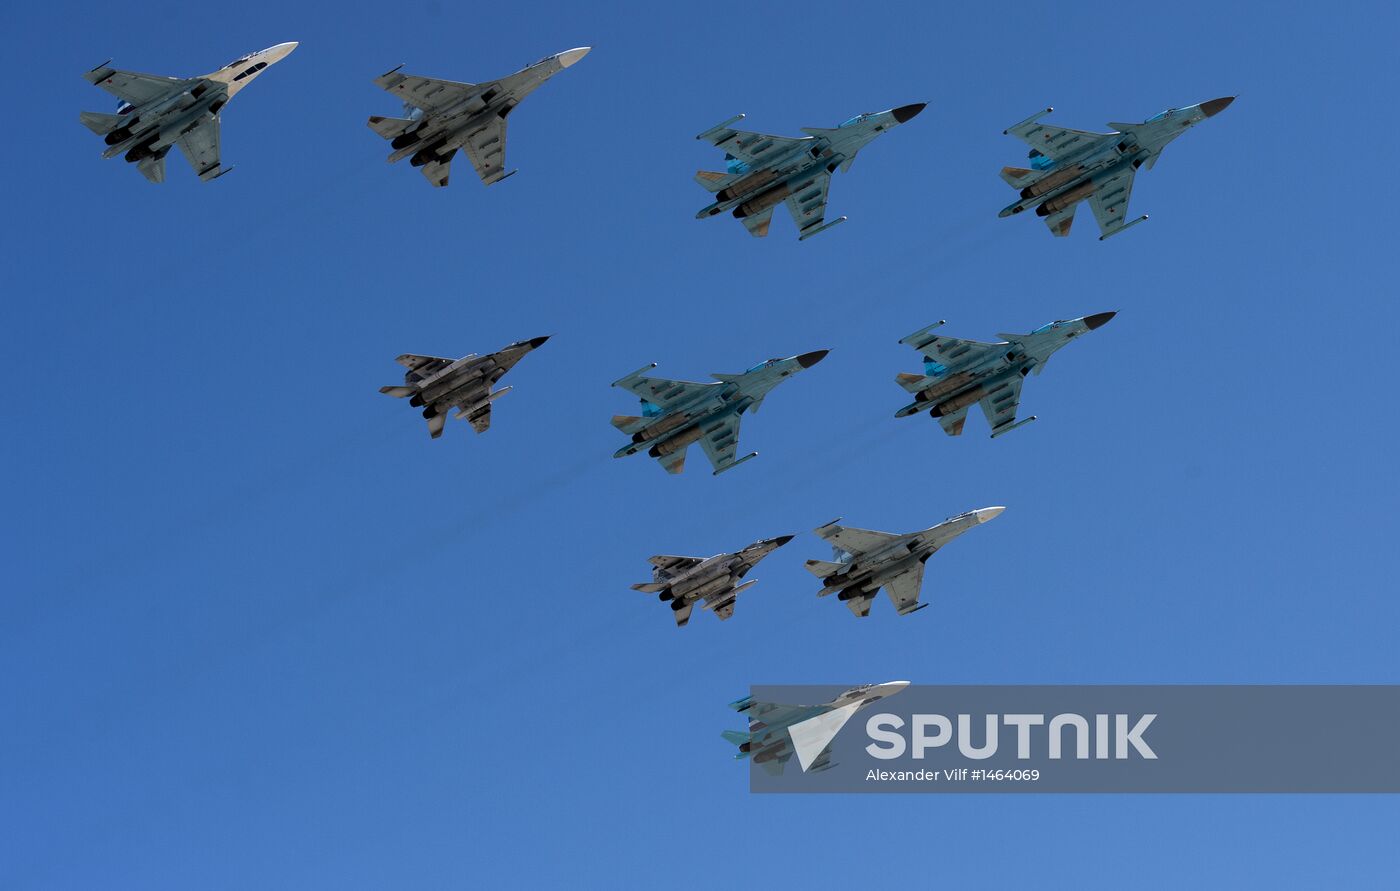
<point>1166,114</point>
<point>766,363</point>
<point>1054,324</point>
<point>855,120</point>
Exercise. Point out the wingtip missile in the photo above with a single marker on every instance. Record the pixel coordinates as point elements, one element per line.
<point>1030,120</point>
<point>720,127</point>
<point>1020,423</point>
<point>735,464</point>
<point>638,373</point>
<point>1124,228</point>
<point>820,229</point>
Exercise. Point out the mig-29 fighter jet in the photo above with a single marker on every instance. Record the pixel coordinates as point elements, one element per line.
<point>442,116</point>
<point>156,113</point>
<point>764,170</point>
<point>686,581</point>
<point>958,373</point>
<point>863,561</point>
<point>1068,166</point>
<point>677,413</point>
<point>439,385</point>
<point>777,732</point>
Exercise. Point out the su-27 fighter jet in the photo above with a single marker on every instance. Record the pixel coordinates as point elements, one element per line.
<point>686,581</point>
<point>777,732</point>
<point>443,116</point>
<point>678,413</point>
<point>1068,166</point>
<point>863,561</point>
<point>958,373</point>
<point>156,113</point>
<point>764,170</point>
<point>440,385</point>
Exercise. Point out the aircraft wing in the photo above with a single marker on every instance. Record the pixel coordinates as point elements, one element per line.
<point>1110,201</point>
<point>425,92</point>
<point>423,365</point>
<point>951,352</point>
<point>752,148</point>
<point>808,204</point>
<point>132,86</point>
<point>1000,403</point>
<point>855,541</point>
<point>1054,142</point>
<point>720,441</point>
<point>201,148</point>
<point>904,589</point>
<point>664,393</point>
<point>672,563</point>
<point>487,149</point>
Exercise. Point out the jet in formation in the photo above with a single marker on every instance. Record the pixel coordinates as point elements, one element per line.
<point>1068,166</point>
<point>440,385</point>
<point>864,561</point>
<point>678,413</point>
<point>958,373</point>
<point>764,170</point>
<point>777,732</point>
<point>442,116</point>
<point>155,113</point>
<point>686,581</point>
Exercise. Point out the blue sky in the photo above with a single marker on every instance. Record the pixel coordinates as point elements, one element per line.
<point>260,631</point>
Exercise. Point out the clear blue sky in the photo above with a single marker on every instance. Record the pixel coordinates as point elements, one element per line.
<point>260,632</point>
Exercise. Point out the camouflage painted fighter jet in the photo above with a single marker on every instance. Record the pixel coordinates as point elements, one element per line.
<point>440,385</point>
<point>156,113</point>
<point>864,561</point>
<point>764,170</point>
<point>777,732</point>
<point>1068,166</point>
<point>958,373</point>
<point>686,581</point>
<point>678,413</point>
<point>442,116</point>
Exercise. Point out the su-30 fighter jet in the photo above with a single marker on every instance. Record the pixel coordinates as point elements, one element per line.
<point>440,385</point>
<point>777,732</point>
<point>958,373</point>
<point>1068,166</point>
<point>764,170</point>
<point>686,581</point>
<point>441,116</point>
<point>863,561</point>
<point>156,113</point>
<point>678,413</point>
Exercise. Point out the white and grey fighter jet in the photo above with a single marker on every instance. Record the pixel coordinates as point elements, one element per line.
<point>156,113</point>
<point>777,732</point>
<point>686,581</point>
<point>443,116</point>
<point>440,385</point>
<point>864,561</point>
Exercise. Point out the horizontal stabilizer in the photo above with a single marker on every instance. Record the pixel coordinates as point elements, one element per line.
<point>650,587</point>
<point>389,127</point>
<point>398,392</point>
<point>912,382</point>
<point>99,123</point>
<point>1017,177</point>
<point>737,737</point>
<point>628,423</point>
<point>715,181</point>
<point>823,568</point>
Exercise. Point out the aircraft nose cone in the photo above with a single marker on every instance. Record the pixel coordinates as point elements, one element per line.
<point>781,540</point>
<point>905,112</point>
<point>1216,106</point>
<point>1098,319</point>
<point>537,342</point>
<point>282,50</point>
<point>807,360</point>
<point>569,57</point>
<point>988,513</point>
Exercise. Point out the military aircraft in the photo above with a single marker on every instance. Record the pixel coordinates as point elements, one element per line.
<point>777,732</point>
<point>156,113</point>
<point>1068,166</point>
<point>439,385</point>
<point>958,373</point>
<point>764,170</point>
<point>677,413</point>
<point>442,116</point>
<point>686,581</point>
<point>863,561</point>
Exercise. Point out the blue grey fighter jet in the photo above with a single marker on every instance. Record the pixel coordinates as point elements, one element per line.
<point>156,113</point>
<point>714,581</point>
<point>958,373</point>
<point>442,116</point>
<point>777,732</point>
<point>764,170</point>
<point>1068,166</point>
<point>678,413</point>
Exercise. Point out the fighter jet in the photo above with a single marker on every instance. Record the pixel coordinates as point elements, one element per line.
<point>958,373</point>
<point>439,385</point>
<point>686,581</point>
<point>677,413</point>
<point>864,561</point>
<point>441,116</point>
<point>1068,166</point>
<point>764,170</point>
<point>158,112</point>
<point>776,732</point>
